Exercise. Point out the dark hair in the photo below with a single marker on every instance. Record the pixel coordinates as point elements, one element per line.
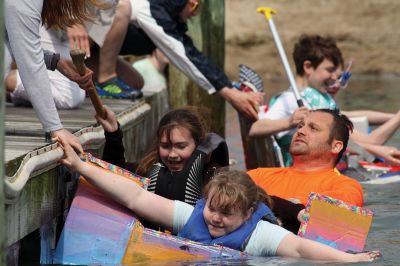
<point>232,189</point>
<point>190,118</point>
<point>341,128</point>
<point>315,49</point>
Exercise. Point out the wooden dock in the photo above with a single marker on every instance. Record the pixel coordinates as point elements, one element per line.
<point>36,186</point>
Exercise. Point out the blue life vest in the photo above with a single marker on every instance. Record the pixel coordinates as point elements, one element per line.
<point>196,229</point>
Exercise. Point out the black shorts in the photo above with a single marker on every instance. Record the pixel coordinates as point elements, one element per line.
<point>136,42</point>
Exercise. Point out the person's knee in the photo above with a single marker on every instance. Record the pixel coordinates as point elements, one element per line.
<point>11,81</point>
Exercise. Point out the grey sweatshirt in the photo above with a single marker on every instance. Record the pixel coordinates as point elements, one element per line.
<point>22,21</point>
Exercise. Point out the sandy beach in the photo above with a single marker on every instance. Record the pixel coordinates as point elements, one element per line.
<point>365,30</point>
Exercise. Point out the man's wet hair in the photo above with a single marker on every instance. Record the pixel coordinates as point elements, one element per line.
<point>341,128</point>
<point>315,48</point>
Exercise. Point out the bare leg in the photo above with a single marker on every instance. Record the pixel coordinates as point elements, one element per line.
<point>113,42</point>
<point>11,81</point>
<point>129,74</point>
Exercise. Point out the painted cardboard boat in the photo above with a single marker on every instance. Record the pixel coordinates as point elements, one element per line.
<point>98,230</point>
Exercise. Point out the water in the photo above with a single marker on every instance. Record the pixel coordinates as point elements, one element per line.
<point>384,200</point>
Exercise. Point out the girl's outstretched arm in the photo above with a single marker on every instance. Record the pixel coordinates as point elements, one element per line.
<point>122,189</point>
<point>294,246</point>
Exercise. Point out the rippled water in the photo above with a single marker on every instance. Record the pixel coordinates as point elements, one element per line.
<point>384,200</point>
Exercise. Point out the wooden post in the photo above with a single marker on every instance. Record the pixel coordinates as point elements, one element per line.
<point>207,31</point>
<point>2,132</point>
<point>258,152</point>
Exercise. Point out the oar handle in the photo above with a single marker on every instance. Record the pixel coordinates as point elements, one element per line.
<point>268,12</point>
<point>78,58</point>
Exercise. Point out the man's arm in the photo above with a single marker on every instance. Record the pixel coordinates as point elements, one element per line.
<point>170,38</point>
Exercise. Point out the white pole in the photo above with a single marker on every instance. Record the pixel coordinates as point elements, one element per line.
<point>268,12</point>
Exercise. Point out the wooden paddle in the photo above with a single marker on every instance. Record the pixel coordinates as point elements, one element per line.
<point>78,58</point>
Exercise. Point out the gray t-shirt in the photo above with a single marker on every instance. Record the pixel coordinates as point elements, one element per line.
<point>23,21</point>
<point>264,240</point>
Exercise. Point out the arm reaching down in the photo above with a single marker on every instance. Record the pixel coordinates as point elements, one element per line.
<point>79,38</point>
<point>244,102</point>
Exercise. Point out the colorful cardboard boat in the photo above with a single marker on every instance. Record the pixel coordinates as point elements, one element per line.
<point>100,231</point>
<point>336,223</point>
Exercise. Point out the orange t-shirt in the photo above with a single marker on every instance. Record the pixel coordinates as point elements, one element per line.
<point>290,183</point>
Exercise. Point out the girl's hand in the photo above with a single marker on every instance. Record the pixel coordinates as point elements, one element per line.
<point>110,124</point>
<point>368,256</point>
<point>70,159</point>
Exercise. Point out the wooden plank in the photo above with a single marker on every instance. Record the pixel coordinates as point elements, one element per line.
<point>19,145</point>
<point>24,132</point>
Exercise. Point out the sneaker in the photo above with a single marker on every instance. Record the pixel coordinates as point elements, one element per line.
<point>115,88</point>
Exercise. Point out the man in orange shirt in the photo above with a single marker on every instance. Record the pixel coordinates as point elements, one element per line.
<point>316,147</point>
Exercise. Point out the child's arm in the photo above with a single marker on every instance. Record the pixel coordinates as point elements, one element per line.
<point>381,134</point>
<point>110,123</point>
<point>294,246</point>
<point>374,117</point>
<point>122,189</point>
<point>266,127</point>
<point>390,154</point>
<point>114,151</point>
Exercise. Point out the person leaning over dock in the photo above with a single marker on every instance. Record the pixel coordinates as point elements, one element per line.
<point>147,24</point>
<point>317,145</point>
<point>23,19</point>
<point>66,93</point>
<point>122,82</point>
<point>229,214</point>
<point>319,64</point>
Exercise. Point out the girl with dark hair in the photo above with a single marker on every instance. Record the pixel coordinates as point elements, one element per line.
<point>183,157</point>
